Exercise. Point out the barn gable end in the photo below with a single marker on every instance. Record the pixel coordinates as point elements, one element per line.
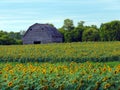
<point>41,33</point>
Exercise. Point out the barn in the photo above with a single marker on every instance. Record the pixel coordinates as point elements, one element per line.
<point>41,34</point>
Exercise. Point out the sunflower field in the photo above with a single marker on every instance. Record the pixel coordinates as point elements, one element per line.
<point>59,76</point>
<point>65,66</point>
<point>77,52</point>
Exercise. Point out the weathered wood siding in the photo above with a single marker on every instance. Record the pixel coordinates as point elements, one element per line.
<point>43,33</point>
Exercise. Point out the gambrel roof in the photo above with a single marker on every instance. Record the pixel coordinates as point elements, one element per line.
<point>45,28</point>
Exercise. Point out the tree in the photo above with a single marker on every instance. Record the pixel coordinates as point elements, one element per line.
<point>77,33</point>
<point>62,31</point>
<point>6,40</point>
<point>2,33</point>
<point>68,37</point>
<point>10,38</point>
<point>91,34</point>
<point>81,24</point>
<point>68,24</point>
<point>110,31</point>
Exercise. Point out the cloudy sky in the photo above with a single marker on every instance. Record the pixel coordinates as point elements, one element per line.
<point>16,15</point>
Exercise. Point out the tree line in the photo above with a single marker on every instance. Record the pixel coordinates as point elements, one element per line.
<point>10,38</point>
<point>109,31</point>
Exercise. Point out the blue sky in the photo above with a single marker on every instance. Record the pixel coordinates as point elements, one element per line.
<point>16,15</point>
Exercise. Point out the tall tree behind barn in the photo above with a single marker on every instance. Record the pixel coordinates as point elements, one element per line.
<point>41,33</point>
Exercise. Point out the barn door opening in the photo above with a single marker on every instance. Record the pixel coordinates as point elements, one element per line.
<point>37,42</point>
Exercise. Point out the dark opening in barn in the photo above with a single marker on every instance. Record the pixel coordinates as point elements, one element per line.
<point>37,42</point>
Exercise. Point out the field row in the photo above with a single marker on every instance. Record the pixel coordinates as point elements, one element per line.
<point>59,76</point>
<point>78,52</point>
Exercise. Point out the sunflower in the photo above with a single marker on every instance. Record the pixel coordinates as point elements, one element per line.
<point>107,85</point>
<point>10,84</point>
<point>0,72</point>
<point>44,71</point>
<point>104,79</point>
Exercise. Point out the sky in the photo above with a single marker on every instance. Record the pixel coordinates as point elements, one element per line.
<point>16,15</point>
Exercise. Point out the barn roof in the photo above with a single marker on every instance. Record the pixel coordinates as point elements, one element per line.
<point>46,27</point>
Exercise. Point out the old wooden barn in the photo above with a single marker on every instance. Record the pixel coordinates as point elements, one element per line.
<point>41,33</point>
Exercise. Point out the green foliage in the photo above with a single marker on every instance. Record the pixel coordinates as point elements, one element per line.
<point>78,31</point>
<point>68,37</point>
<point>81,24</point>
<point>73,35</point>
<point>10,38</point>
<point>68,24</point>
<point>107,32</point>
<point>91,34</point>
<point>110,31</point>
<point>6,40</point>
<point>62,31</point>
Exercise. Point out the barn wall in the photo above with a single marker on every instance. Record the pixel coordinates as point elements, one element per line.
<point>36,35</point>
<point>40,33</point>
